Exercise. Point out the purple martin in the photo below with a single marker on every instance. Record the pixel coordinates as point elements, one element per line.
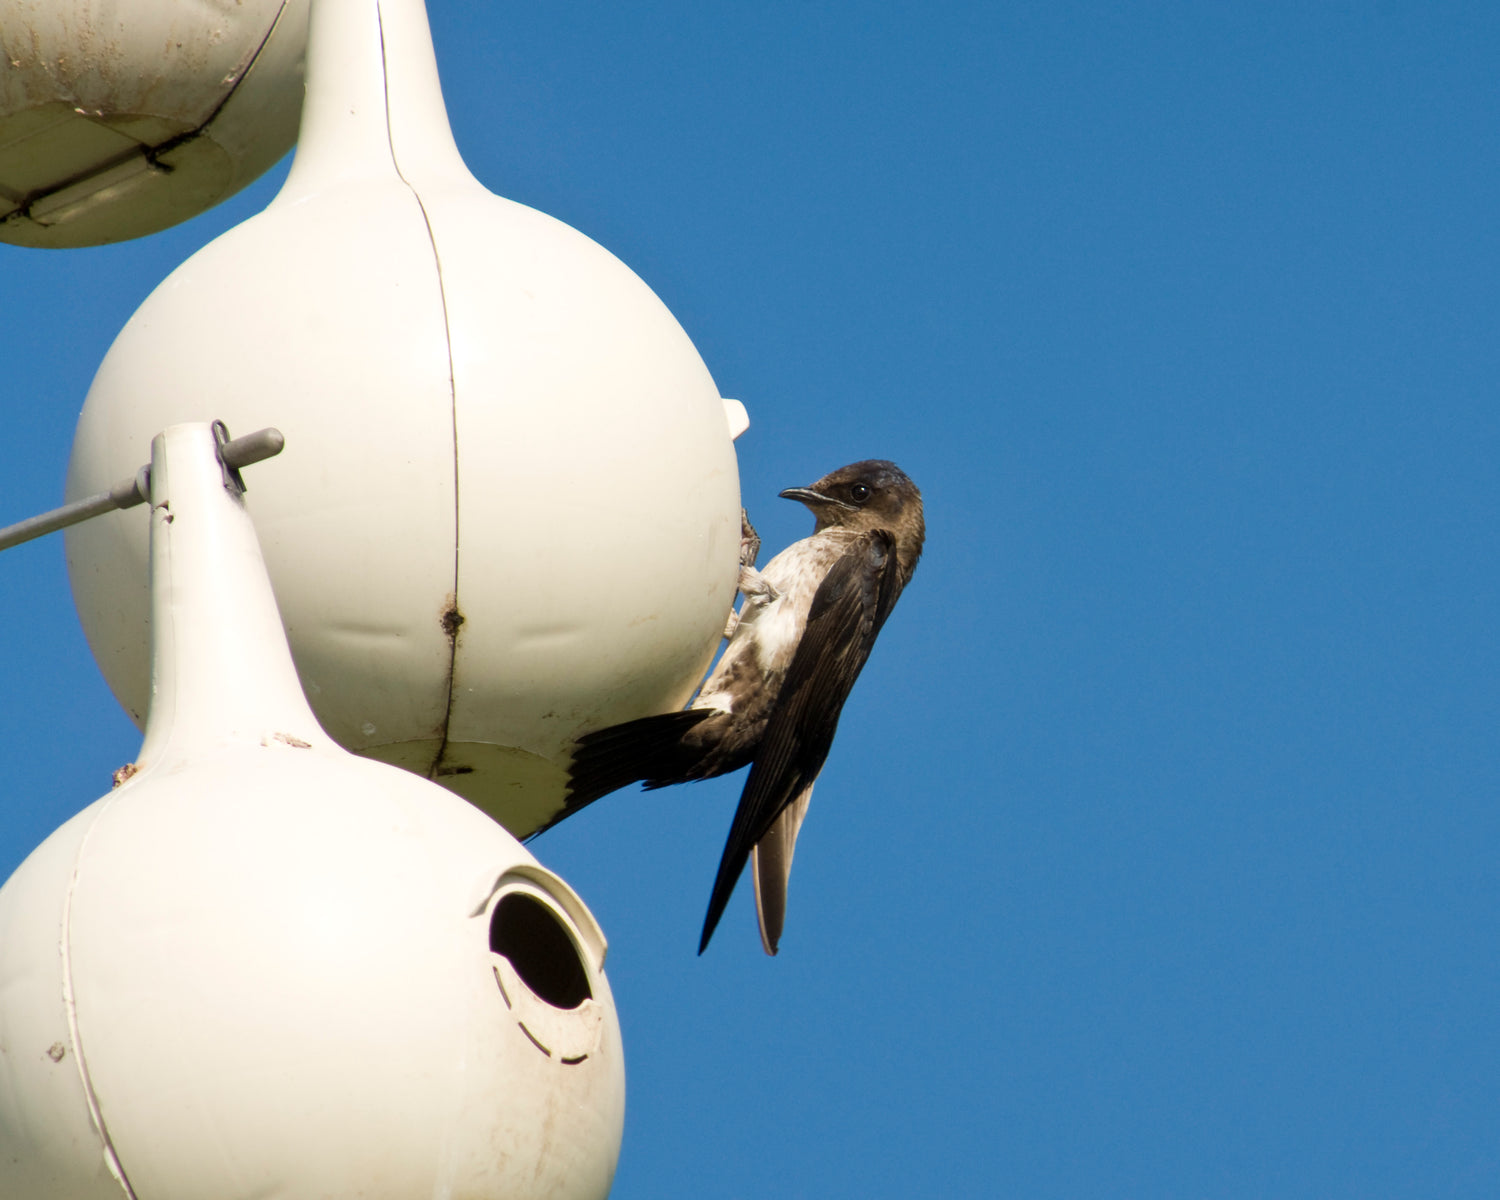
<point>807,625</point>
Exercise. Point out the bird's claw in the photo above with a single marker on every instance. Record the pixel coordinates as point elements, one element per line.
<point>757,590</point>
<point>749,541</point>
<point>752,583</point>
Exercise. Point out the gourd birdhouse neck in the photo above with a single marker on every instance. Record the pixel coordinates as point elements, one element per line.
<point>374,105</point>
<point>220,671</point>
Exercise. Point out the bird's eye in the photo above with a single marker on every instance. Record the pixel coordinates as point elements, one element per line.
<point>859,493</point>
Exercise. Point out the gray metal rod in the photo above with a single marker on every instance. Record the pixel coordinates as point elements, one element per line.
<point>252,448</point>
<point>122,495</point>
<point>241,452</point>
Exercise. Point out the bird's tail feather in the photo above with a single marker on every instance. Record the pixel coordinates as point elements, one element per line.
<point>649,748</point>
<point>771,864</point>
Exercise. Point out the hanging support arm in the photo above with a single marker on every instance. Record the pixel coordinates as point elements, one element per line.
<point>241,452</point>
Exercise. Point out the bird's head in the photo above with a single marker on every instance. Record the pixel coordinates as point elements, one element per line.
<point>873,494</point>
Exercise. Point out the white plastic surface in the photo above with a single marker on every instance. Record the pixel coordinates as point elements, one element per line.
<point>262,966</point>
<point>120,120</point>
<point>488,417</point>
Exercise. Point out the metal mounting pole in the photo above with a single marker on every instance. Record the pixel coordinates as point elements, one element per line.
<point>241,452</point>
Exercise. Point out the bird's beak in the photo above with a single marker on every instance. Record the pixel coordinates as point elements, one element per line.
<point>810,498</point>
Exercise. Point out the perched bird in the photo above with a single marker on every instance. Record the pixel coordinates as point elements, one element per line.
<point>773,700</point>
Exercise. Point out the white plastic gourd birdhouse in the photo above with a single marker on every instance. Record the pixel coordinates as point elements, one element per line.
<point>117,120</point>
<point>265,967</point>
<point>509,506</point>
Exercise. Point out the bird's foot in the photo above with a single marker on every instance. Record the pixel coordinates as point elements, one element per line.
<point>749,541</point>
<point>757,590</point>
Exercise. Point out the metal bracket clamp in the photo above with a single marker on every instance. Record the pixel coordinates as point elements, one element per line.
<point>234,454</point>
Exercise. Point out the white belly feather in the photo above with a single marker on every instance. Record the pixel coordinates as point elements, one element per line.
<point>768,631</point>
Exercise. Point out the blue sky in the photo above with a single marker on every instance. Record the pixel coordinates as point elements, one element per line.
<point>1156,854</point>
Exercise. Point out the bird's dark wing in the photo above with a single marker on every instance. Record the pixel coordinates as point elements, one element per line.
<point>847,611</point>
